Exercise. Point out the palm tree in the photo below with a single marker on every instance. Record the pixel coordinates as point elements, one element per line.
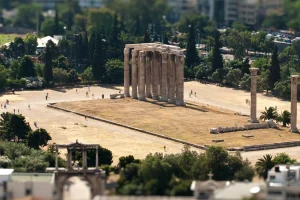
<point>263,165</point>
<point>284,117</point>
<point>269,113</point>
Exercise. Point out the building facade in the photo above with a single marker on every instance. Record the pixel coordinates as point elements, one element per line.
<point>180,7</point>
<point>50,4</point>
<point>246,11</point>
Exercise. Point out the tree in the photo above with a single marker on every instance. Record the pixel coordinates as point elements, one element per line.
<point>274,74</point>
<point>217,60</point>
<point>126,160</point>
<point>147,38</point>
<point>60,75</point>
<point>283,158</point>
<point>296,47</point>
<point>263,165</point>
<point>234,76</point>
<point>165,39</point>
<point>98,63</point>
<point>85,47</point>
<point>38,138</point>
<point>238,26</point>
<point>269,113</point>
<point>92,45</point>
<point>30,43</point>
<point>56,21</point>
<point>284,117</point>
<point>115,50</point>
<point>49,27</point>
<point>27,68</point>
<point>48,73</point>
<point>87,75</point>
<point>3,76</point>
<point>17,47</point>
<point>114,71</point>
<point>13,127</point>
<point>26,15</point>
<point>192,57</point>
<point>64,47</point>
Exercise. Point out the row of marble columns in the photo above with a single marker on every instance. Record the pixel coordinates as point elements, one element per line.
<point>84,159</point>
<point>294,88</point>
<point>154,74</point>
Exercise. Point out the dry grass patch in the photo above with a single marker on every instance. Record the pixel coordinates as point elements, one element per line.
<point>190,123</point>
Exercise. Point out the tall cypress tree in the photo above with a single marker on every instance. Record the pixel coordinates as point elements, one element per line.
<point>85,47</point>
<point>98,63</point>
<point>165,39</point>
<point>137,27</point>
<point>147,38</point>
<point>192,57</point>
<point>92,45</point>
<point>274,72</point>
<point>56,21</point>
<point>48,73</point>
<point>115,50</point>
<point>217,60</point>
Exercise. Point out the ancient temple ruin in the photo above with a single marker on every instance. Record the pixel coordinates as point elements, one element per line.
<point>93,175</point>
<point>157,72</point>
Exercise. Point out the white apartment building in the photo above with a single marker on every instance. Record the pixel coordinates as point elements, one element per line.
<point>50,4</point>
<point>283,183</point>
<point>245,11</point>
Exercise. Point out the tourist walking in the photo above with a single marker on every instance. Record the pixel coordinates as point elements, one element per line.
<point>18,111</point>
<point>1,106</point>
<point>5,106</point>
<point>93,96</point>
<point>29,106</point>
<point>195,94</point>
<point>87,94</point>
<point>14,111</point>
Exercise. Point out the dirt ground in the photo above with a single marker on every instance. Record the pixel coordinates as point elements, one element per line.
<point>122,141</point>
<point>190,123</point>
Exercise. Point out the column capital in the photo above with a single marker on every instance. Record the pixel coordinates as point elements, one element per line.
<point>253,71</point>
<point>126,51</point>
<point>294,79</point>
<point>142,54</point>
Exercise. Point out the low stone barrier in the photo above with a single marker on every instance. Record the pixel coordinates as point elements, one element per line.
<point>52,105</point>
<point>114,96</point>
<point>268,124</point>
<point>271,146</point>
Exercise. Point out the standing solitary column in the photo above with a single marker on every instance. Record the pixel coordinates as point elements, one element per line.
<point>180,81</point>
<point>134,75</point>
<point>294,87</point>
<point>97,161</point>
<point>155,76</point>
<point>56,158</point>
<point>148,75</point>
<point>253,118</point>
<point>164,78</point>
<point>126,73</point>
<point>142,76</point>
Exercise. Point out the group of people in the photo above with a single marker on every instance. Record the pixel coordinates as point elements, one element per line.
<point>5,104</point>
<point>191,93</point>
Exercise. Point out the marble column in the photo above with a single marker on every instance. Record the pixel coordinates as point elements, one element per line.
<point>159,73</point>
<point>294,88</point>
<point>69,161</point>
<point>253,118</point>
<point>180,80</point>
<point>155,76</point>
<point>134,79</point>
<point>171,79</point>
<point>97,157</point>
<point>84,163</point>
<point>142,76</point>
<point>56,158</point>
<point>164,77</point>
<point>126,73</point>
<point>148,75</point>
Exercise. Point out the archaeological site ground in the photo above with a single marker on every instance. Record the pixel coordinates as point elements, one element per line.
<point>190,123</point>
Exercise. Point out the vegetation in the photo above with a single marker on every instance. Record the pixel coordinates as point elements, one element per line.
<point>172,174</point>
<point>267,162</point>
